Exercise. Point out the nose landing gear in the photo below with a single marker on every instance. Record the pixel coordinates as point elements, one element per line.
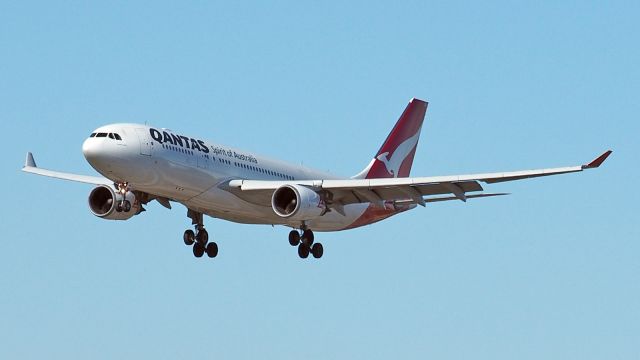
<point>305,244</point>
<point>200,238</point>
<point>125,203</point>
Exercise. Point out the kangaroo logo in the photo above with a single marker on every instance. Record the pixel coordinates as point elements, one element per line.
<point>402,151</point>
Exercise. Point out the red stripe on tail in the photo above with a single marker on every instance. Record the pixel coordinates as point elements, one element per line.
<point>395,157</point>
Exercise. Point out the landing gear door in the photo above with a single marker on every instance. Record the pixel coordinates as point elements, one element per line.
<point>145,141</point>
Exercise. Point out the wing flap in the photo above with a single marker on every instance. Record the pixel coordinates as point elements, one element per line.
<point>449,198</point>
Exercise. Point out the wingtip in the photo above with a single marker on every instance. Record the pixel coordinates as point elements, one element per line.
<point>29,161</point>
<point>597,161</point>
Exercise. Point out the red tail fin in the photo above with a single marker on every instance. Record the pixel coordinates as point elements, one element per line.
<point>395,157</point>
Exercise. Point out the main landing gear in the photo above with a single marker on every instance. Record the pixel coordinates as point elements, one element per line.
<point>200,238</point>
<point>305,244</point>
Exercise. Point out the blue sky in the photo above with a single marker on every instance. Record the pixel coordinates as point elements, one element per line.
<point>549,272</point>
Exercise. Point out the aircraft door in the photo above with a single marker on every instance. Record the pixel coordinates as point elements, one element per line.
<point>145,141</point>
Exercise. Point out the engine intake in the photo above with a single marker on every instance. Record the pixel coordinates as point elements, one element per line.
<point>297,202</point>
<point>104,200</point>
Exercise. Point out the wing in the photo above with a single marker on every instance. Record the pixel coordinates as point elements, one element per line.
<point>401,190</point>
<point>30,167</point>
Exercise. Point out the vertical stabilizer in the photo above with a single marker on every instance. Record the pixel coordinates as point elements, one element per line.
<point>395,157</point>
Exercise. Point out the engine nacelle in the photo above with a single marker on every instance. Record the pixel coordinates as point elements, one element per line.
<point>297,202</point>
<point>104,200</point>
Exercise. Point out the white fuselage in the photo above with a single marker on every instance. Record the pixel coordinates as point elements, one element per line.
<point>194,172</point>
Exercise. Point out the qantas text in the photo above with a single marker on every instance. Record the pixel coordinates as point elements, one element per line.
<point>195,144</point>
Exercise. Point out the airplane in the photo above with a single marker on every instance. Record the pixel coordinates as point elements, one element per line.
<point>141,163</point>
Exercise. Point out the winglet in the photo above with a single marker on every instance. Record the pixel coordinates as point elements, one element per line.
<point>29,162</point>
<point>598,161</point>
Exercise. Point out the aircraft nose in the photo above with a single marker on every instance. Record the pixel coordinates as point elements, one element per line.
<point>95,153</point>
<point>90,150</point>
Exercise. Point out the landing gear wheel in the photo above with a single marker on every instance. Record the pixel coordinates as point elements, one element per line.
<point>307,237</point>
<point>212,249</point>
<point>303,250</point>
<point>198,250</point>
<point>202,237</point>
<point>127,206</point>
<point>317,250</point>
<point>189,237</point>
<point>294,238</point>
<point>119,207</point>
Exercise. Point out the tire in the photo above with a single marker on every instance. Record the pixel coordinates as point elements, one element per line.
<point>202,237</point>
<point>212,249</point>
<point>317,250</point>
<point>294,238</point>
<point>118,207</point>
<point>303,250</point>
<point>189,237</point>
<point>127,206</point>
<point>307,237</point>
<point>198,250</point>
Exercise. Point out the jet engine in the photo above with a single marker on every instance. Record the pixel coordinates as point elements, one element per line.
<point>297,202</point>
<point>108,203</point>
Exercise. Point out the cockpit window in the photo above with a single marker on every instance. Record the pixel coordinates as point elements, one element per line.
<point>101,135</point>
<point>111,136</point>
<point>117,136</point>
<point>92,135</point>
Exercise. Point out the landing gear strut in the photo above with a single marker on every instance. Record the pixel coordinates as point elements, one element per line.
<point>200,238</point>
<point>124,204</point>
<point>305,243</point>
